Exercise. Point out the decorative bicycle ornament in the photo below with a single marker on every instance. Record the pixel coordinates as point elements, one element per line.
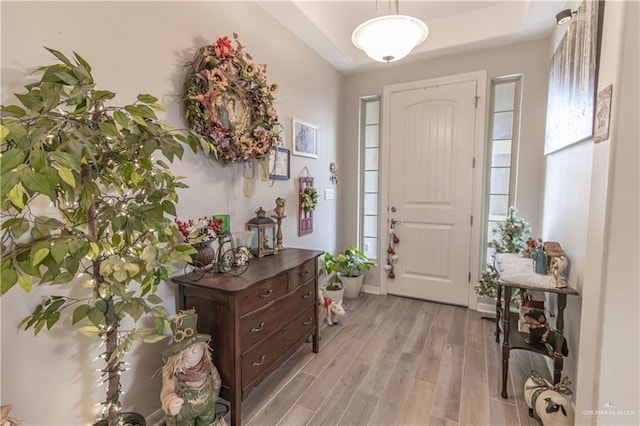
<point>227,259</point>
<point>229,102</point>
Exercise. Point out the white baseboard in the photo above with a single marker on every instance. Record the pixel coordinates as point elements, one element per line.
<point>487,308</point>
<point>371,289</point>
<point>156,418</point>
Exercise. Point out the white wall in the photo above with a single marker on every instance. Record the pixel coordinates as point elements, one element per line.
<point>529,59</point>
<point>140,47</point>
<point>591,207</point>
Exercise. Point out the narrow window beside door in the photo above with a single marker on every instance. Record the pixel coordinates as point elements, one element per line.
<point>502,155</point>
<point>369,175</point>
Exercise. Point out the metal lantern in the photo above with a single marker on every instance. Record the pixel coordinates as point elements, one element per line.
<point>263,242</point>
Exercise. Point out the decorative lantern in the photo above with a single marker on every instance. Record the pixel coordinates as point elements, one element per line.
<point>263,242</point>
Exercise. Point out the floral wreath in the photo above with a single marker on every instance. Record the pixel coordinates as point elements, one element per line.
<point>309,199</point>
<point>228,102</point>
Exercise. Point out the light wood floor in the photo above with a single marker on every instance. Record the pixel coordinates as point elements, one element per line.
<point>397,361</point>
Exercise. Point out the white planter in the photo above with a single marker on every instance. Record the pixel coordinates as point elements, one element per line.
<point>352,286</point>
<point>335,295</point>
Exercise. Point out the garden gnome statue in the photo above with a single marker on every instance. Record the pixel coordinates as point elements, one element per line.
<point>190,381</point>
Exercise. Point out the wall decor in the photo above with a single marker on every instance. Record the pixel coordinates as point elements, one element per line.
<point>308,203</point>
<point>305,139</point>
<point>229,103</point>
<point>573,79</point>
<point>603,114</point>
<point>279,160</point>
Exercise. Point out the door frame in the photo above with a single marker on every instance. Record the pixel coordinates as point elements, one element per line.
<point>479,150</point>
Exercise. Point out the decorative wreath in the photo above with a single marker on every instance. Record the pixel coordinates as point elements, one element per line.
<point>309,198</point>
<point>229,102</point>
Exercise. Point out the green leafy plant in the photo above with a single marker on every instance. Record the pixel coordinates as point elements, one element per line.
<point>350,263</point>
<point>105,231</point>
<point>510,236</point>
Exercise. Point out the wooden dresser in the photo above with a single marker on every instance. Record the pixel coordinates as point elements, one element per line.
<point>257,320</point>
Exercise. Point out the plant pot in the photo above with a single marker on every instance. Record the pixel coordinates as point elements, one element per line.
<point>335,295</point>
<point>352,285</point>
<point>127,419</point>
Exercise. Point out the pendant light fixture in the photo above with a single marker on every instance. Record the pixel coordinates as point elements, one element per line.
<point>391,37</point>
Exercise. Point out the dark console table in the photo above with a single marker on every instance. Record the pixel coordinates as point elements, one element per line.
<point>514,271</point>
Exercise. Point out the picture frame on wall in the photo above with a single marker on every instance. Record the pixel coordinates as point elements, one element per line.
<point>279,164</point>
<point>603,114</point>
<point>573,79</point>
<point>305,139</point>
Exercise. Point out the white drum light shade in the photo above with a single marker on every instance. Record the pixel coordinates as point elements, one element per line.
<point>389,38</point>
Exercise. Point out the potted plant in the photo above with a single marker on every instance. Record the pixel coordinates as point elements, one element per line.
<point>346,270</point>
<point>105,232</point>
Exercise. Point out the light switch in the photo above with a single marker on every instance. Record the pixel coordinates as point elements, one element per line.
<point>329,194</point>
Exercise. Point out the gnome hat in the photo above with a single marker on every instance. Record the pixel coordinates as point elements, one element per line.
<point>185,333</point>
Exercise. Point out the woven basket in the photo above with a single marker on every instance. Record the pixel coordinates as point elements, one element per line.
<point>204,256</point>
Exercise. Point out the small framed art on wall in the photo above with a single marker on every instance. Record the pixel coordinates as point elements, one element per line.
<point>305,139</point>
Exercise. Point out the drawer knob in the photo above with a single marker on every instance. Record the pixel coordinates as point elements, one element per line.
<point>308,321</point>
<point>308,294</point>
<point>258,363</point>
<point>305,273</point>
<point>267,294</point>
<point>258,328</point>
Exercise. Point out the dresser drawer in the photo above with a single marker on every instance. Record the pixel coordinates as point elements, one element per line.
<point>262,293</point>
<point>258,359</point>
<point>301,326</point>
<point>303,273</point>
<point>258,324</point>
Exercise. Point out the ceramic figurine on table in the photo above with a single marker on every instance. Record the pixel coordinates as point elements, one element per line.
<point>540,261</point>
<point>190,381</point>
<point>278,214</point>
<point>558,267</point>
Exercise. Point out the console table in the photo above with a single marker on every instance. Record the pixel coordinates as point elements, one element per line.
<point>256,320</point>
<point>515,271</point>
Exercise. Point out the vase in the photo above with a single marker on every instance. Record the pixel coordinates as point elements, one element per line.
<point>204,256</point>
<point>352,285</point>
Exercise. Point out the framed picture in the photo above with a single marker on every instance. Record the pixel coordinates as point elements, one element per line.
<point>305,139</point>
<point>279,164</point>
<point>573,79</point>
<point>603,113</point>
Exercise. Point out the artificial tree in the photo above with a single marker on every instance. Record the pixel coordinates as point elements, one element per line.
<point>100,169</point>
<point>510,236</point>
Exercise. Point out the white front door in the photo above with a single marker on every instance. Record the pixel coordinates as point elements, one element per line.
<point>431,132</point>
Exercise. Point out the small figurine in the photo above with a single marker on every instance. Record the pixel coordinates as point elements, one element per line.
<point>278,212</point>
<point>328,309</point>
<point>558,267</point>
<point>190,381</point>
<point>540,261</point>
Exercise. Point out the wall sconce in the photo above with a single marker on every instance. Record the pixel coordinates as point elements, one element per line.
<point>564,16</point>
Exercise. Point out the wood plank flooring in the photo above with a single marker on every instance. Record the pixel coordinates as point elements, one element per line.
<point>396,361</point>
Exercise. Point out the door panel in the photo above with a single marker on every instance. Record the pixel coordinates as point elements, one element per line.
<point>431,137</point>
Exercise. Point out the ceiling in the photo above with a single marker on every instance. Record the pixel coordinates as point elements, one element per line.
<point>454,26</point>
